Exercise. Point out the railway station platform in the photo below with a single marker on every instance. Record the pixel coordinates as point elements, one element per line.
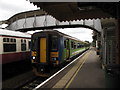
<point>86,72</point>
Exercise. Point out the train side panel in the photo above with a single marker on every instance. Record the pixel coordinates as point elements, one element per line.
<point>75,48</point>
<point>66,49</point>
<point>1,49</point>
<point>14,50</point>
<point>61,50</point>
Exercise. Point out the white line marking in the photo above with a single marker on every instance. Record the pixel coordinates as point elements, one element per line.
<point>58,72</point>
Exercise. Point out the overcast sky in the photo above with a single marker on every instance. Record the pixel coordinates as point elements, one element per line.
<point>9,8</point>
<point>80,33</point>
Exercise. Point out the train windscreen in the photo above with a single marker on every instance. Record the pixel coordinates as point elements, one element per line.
<point>33,44</point>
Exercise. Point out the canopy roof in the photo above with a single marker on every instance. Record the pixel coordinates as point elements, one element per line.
<point>68,11</point>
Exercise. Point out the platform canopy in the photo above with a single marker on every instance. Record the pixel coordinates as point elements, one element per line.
<point>68,11</point>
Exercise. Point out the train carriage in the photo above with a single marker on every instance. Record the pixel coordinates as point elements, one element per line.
<point>14,46</point>
<point>50,48</point>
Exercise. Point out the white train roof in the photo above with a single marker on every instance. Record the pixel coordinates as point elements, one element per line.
<point>4,32</point>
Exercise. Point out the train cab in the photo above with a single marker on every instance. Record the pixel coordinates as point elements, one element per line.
<point>45,47</point>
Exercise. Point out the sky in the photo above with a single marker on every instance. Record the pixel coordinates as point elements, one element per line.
<point>9,8</point>
<point>83,34</point>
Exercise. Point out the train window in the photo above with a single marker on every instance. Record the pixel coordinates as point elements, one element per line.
<point>54,43</point>
<point>81,45</point>
<point>14,40</point>
<point>72,45</point>
<point>24,41</point>
<point>7,39</point>
<point>11,40</point>
<point>33,43</point>
<point>4,40</point>
<point>65,44</point>
<point>9,47</point>
<point>78,45</point>
<point>21,40</point>
<point>23,45</point>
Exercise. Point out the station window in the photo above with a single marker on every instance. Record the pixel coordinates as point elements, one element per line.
<point>23,45</point>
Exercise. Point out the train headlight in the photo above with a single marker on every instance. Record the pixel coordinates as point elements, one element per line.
<point>54,59</point>
<point>41,69</point>
<point>33,57</point>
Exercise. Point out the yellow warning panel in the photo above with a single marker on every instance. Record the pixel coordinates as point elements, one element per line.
<point>54,54</point>
<point>34,53</point>
<point>57,62</point>
<point>43,50</point>
<point>33,61</point>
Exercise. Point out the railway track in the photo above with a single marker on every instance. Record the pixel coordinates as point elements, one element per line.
<point>39,81</point>
<point>30,85</point>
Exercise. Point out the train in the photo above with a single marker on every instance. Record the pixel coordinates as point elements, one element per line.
<point>50,48</point>
<point>14,46</point>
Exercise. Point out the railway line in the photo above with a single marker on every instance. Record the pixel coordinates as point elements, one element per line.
<point>32,83</point>
<point>39,81</point>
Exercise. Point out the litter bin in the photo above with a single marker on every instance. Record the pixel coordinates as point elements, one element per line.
<point>112,76</point>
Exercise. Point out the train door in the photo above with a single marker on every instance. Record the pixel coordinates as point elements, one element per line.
<point>67,49</point>
<point>43,50</point>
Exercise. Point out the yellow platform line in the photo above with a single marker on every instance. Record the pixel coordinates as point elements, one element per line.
<point>83,59</point>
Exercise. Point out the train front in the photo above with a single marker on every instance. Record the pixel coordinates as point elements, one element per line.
<point>44,52</point>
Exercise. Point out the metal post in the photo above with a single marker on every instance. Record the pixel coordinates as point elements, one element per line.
<point>34,23</point>
<point>45,21</point>
<point>118,42</point>
<point>118,36</point>
<point>24,24</point>
<point>112,71</point>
